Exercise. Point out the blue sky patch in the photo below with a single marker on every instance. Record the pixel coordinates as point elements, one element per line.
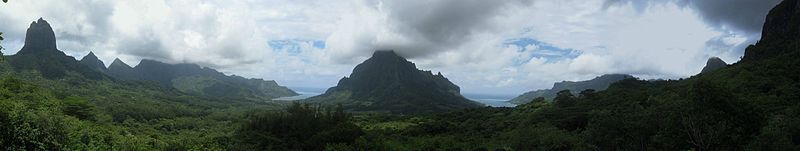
<point>292,46</point>
<point>542,50</point>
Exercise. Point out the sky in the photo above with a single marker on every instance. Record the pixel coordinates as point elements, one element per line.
<point>504,47</point>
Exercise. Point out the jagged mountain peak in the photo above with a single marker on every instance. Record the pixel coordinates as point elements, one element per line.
<point>781,26</point>
<point>712,64</point>
<point>119,63</point>
<point>39,37</point>
<point>93,62</point>
<point>39,53</point>
<point>192,78</point>
<point>782,21</point>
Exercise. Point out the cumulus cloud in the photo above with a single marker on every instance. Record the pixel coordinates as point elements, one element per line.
<point>210,33</point>
<point>86,23</point>
<point>416,28</point>
<point>740,21</point>
<point>745,16</point>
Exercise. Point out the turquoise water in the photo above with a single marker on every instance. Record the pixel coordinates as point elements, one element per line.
<point>495,102</point>
<point>487,100</point>
<point>303,95</point>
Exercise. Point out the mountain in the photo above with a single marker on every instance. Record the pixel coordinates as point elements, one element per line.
<point>40,54</point>
<point>39,38</point>
<point>598,84</point>
<point>93,62</point>
<point>387,82</point>
<point>749,105</point>
<point>121,70</point>
<point>781,27</point>
<point>193,79</point>
<point>713,63</point>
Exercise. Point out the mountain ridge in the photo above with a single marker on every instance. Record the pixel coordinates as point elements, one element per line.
<point>40,53</point>
<point>598,83</point>
<point>93,62</point>
<point>387,82</point>
<point>192,78</point>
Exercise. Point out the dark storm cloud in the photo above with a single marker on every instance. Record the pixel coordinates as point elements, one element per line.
<point>745,16</point>
<point>435,26</point>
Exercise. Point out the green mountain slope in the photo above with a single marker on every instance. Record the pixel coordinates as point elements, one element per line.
<point>387,82</point>
<point>50,101</point>
<point>40,54</point>
<point>192,78</point>
<point>598,84</point>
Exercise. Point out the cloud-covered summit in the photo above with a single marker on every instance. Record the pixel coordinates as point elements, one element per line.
<point>419,28</point>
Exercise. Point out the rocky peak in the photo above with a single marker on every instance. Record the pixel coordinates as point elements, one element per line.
<point>93,62</point>
<point>119,64</point>
<point>782,22</point>
<point>381,61</point>
<point>386,55</point>
<point>712,64</point>
<point>781,27</point>
<point>382,69</point>
<point>39,37</point>
<point>389,82</point>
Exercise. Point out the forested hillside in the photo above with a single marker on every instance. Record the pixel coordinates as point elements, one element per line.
<point>387,82</point>
<point>599,83</point>
<point>50,101</point>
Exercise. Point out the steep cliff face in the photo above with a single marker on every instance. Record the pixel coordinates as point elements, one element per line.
<point>387,82</point>
<point>39,37</point>
<point>782,22</point>
<point>779,34</point>
<point>40,54</point>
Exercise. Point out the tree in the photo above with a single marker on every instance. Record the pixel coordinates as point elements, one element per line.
<point>301,127</point>
<point>78,107</point>
<point>564,98</point>
<point>716,119</point>
<point>781,133</point>
<point>588,93</point>
<point>542,137</point>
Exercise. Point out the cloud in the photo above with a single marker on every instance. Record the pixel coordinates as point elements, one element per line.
<point>86,23</point>
<point>211,33</point>
<point>745,16</point>
<point>416,28</point>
